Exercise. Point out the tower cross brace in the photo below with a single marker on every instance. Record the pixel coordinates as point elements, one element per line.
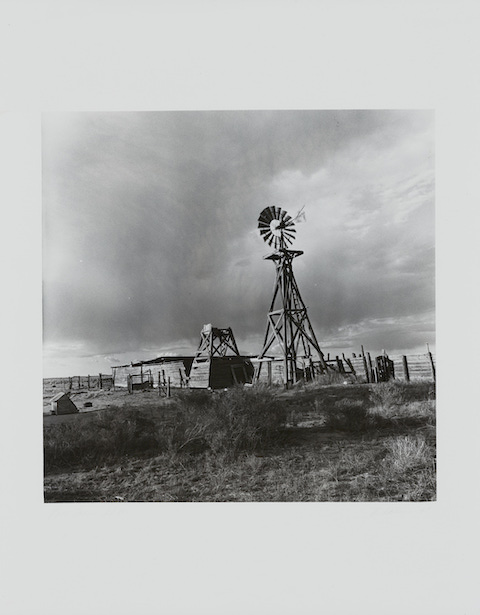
<point>288,324</point>
<point>216,342</point>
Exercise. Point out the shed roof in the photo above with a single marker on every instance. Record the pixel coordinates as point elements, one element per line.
<point>60,395</point>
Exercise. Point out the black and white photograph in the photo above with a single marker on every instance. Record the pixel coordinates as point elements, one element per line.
<point>239,306</point>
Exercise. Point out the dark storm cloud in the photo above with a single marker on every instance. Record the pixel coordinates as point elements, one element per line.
<point>150,218</point>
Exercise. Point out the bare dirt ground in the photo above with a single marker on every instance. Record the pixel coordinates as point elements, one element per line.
<point>100,399</point>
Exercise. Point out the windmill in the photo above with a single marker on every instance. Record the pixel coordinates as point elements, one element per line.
<point>288,325</point>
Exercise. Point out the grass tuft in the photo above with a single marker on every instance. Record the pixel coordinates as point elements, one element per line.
<point>406,453</point>
<point>387,395</point>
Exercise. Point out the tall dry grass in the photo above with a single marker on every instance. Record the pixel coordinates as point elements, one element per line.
<point>228,422</point>
<point>387,395</point>
<point>406,453</point>
<point>109,434</point>
<point>234,446</point>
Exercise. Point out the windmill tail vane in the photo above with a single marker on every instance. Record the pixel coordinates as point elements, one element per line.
<point>300,217</point>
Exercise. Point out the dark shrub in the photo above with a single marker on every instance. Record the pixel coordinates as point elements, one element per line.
<point>348,415</point>
<point>194,397</point>
<point>239,419</point>
<point>109,434</point>
<point>225,422</point>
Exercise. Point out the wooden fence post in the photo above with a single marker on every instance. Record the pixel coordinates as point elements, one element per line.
<point>372,373</point>
<point>350,365</point>
<point>100,384</point>
<point>405,368</point>
<point>432,365</point>
<point>339,365</point>
<point>365,366</point>
<point>168,387</point>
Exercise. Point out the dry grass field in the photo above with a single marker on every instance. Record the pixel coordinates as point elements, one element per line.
<point>316,443</point>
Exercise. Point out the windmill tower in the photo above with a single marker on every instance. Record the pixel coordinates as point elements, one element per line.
<point>289,329</point>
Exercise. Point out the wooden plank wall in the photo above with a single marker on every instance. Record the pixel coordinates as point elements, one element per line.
<point>200,374</point>
<point>277,369</point>
<point>120,374</point>
<point>175,370</point>
<point>419,366</point>
<point>217,372</point>
<point>357,364</point>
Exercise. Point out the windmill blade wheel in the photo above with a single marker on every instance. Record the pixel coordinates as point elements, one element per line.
<point>276,227</point>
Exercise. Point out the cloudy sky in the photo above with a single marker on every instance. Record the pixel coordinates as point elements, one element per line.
<point>150,230</point>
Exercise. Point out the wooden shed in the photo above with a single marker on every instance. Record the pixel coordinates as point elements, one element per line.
<point>213,367</point>
<point>159,369</point>
<point>62,404</point>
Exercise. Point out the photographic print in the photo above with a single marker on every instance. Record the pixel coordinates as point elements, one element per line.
<point>239,306</point>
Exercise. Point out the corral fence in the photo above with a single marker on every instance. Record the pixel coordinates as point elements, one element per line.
<point>77,383</point>
<point>384,367</point>
<point>146,380</point>
<point>162,376</point>
<point>361,367</point>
